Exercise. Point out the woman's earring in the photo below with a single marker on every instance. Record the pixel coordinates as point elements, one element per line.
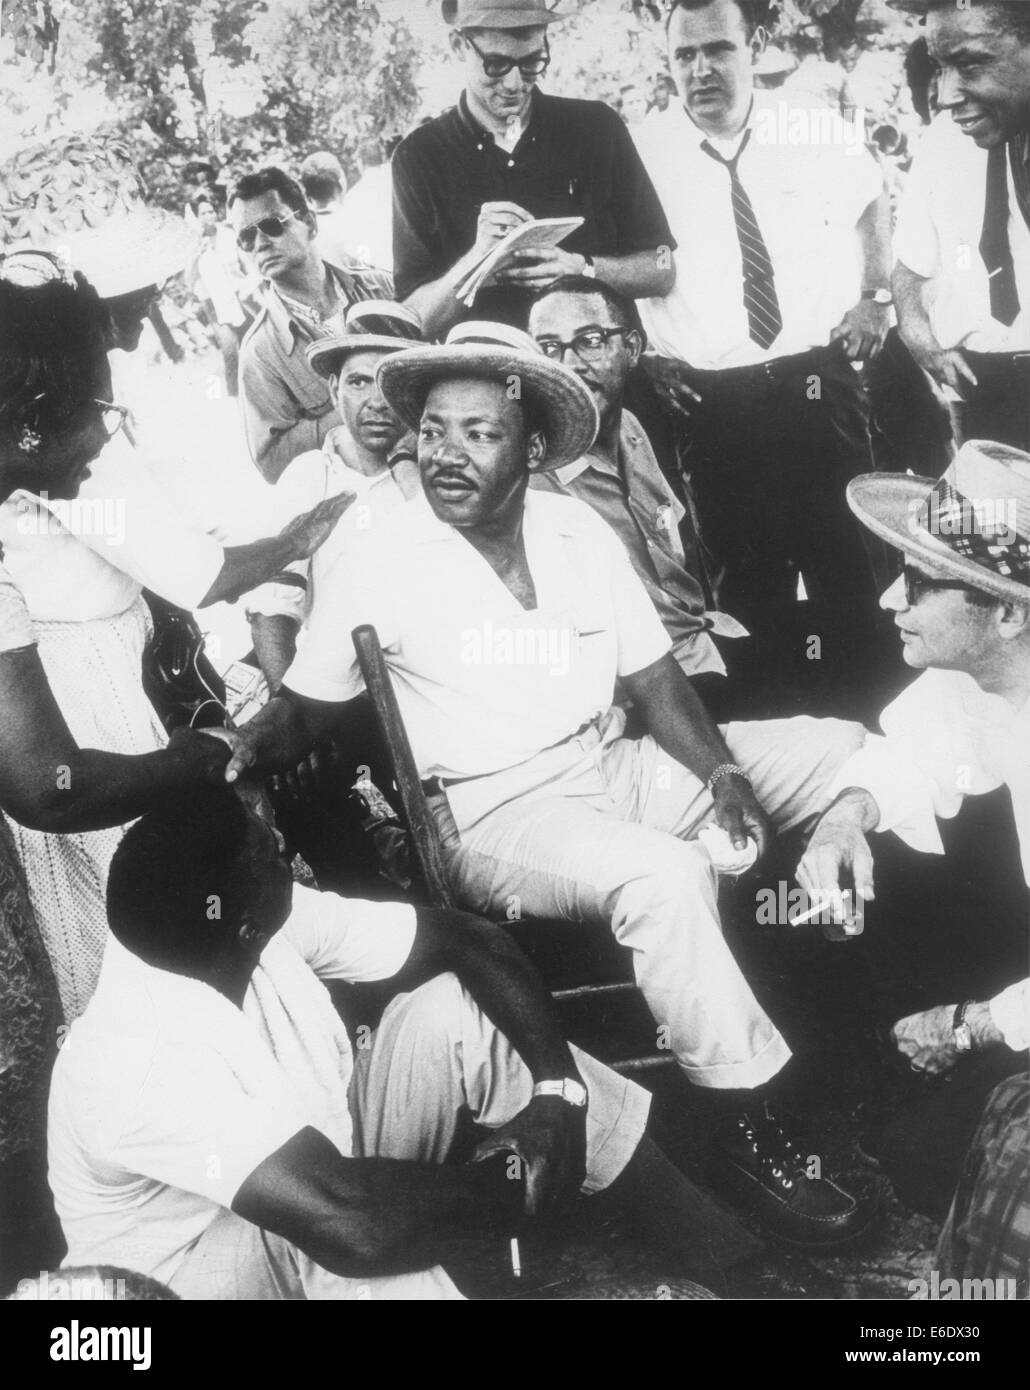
<point>29,440</point>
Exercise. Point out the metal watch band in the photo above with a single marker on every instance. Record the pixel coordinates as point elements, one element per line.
<point>568,1090</point>
<point>726,770</point>
<point>960,1028</point>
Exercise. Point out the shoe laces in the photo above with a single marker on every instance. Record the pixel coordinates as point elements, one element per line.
<point>776,1151</point>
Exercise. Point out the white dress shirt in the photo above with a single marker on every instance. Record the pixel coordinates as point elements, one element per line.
<point>944,738</point>
<point>940,222</point>
<point>809,180</point>
<point>311,478</point>
<point>482,683</point>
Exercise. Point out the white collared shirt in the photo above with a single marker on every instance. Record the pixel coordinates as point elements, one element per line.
<point>809,179</point>
<point>944,738</point>
<point>484,684</point>
<point>309,479</point>
<point>166,1097</point>
<point>940,223</point>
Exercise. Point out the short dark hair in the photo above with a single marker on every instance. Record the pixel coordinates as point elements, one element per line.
<point>758,14</point>
<point>53,353</point>
<point>175,888</point>
<point>623,309</point>
<point>1014,14</point>
<point>271,180</point>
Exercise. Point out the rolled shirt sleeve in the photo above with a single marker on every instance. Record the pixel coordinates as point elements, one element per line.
<point>350,938</point>
<point>326,666</point>
<point>1010,1011</point>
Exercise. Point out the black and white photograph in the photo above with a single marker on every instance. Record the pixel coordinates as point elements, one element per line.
<point>515,664</point>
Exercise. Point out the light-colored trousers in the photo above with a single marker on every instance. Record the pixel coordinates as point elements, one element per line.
<point>601,829</point>
<point>433,1055</point>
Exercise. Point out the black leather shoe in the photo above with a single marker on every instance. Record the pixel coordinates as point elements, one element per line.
<point>792,1196</point>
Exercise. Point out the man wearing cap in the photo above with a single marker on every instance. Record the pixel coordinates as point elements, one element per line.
<point>596,332</point>
<point>506,616</point>
<point>508,153</point>
<point>956,737</point>
<point>369,455</point>
<point>962,279</point>
<point>288,408</point>
<point>324,184</point>
<point>783,228</point>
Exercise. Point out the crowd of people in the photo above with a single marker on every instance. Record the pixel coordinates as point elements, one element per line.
<point>621,523</point>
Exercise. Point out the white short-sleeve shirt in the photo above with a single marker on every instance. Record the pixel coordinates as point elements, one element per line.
<point>809,178</point>
<point>940,223</point>
<point>484,684</point>
<point>166,1097</point>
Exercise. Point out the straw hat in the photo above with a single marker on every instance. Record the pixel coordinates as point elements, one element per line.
<point>495,352</point>
<point>500,14</point>
<point>972,524</point>
<point>131,250</point>
<point>326,354</point>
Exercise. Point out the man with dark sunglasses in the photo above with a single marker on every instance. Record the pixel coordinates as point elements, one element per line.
<point>288,408</point>
<point>944,952</point>
<point>508,153</point>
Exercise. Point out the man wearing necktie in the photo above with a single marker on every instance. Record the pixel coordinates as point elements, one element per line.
<point>783,264</point>
<point>962,280</point>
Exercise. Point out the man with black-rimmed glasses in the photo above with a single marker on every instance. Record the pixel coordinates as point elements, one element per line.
<point>508,153</point>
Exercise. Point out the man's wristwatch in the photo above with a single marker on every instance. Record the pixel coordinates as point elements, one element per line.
<point>589,269</point>
<point>961,1031</point>
<point>880,296</point>
<point>572,1092</point>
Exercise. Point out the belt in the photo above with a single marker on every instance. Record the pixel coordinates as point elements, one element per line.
<point>433,786</point>
<point>997,359</point>
<point>774,370</point>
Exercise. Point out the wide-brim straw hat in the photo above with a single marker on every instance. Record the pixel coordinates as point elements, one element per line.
<point>495,352</point>
<point>326,354</point>
<point>131,250</point>
<point>501,14</point>
<point>971,525</point>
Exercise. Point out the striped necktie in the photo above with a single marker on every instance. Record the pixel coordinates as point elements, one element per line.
<point>994,241</point>
<point>765,321</point>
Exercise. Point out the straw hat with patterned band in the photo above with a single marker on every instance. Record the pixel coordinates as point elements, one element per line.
<point>326,354</point>
<point>495,352</point>
<point>971,525</point>
<point>501,14</point>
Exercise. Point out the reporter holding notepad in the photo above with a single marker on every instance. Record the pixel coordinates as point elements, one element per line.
<point>508,153</point>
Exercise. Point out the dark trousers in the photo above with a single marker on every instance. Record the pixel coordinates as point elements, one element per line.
<point>767,458</point>
<point>999,407</point>
<point>942,930</point>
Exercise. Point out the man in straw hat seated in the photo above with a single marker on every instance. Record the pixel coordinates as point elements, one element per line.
<point>507,616</point>
<point>956,938</point>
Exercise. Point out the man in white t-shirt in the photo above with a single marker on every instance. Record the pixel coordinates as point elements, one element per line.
<point>211,1124</point>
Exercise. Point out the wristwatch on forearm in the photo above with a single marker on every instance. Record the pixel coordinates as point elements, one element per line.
<point>589,269</point>
<point>880,296</point>
<point>961,1032</point>
<point>570,1091</point>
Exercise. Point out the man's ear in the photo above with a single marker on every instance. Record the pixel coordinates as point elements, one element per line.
<point>635,344</point>
<point>536,448</point>
<point>250,935</point>
<point>458,45</point>
<point>1014,621</point>
<point>759,39</point>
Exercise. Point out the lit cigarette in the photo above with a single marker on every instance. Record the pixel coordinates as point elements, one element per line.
<point>813,912</point>
<point>516,1261</point>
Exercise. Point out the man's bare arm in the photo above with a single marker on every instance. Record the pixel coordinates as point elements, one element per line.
<point>839,844</point>
<point>947,366</point>
<point>372,1217</point>
<point>676,718</point>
